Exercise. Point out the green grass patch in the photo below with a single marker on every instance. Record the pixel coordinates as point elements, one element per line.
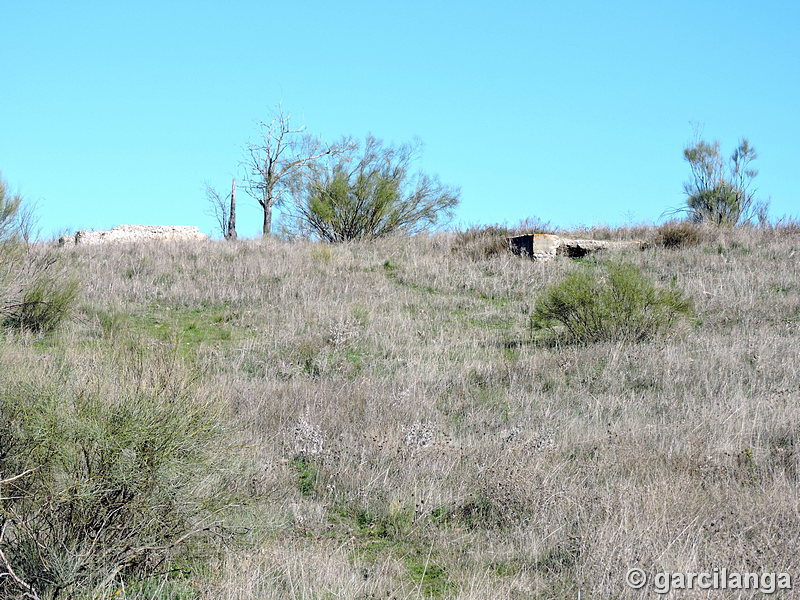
<point>189,328</point>
<point>175,587</point>
<point>307,473</point>
<point>378,535</point>
<point>431,578</point>
<point>192,326</point>
<point>498,301</point>
<point>392,272</point>
<point>506,568</point>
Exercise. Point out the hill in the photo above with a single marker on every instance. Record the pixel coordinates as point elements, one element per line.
<point>387,425</point>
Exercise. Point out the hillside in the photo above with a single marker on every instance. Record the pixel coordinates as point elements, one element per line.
<point>389,426</point>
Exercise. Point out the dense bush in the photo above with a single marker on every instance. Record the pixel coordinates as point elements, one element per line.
<point>109,475</point>
<point>609,302</point>
<point>678,234</point>
<point>370,193</point>
<point>720,192</point>
<point>35,294</point>
<point>43,306</point>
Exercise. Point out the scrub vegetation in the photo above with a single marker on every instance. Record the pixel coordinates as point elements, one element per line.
<point>379,419</point>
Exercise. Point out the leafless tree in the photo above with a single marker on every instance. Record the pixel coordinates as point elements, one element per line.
<point>224,210</point>
<point>275,162</point>
<point>218,207</point>
<point>231,233</point>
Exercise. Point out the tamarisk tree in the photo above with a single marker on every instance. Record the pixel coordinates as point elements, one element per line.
<point>371,192</point>
<point>720,191</point>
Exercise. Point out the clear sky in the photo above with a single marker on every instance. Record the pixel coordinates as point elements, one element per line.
<point>574,112</point>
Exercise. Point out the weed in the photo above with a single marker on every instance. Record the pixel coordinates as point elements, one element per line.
<point>437,449</point>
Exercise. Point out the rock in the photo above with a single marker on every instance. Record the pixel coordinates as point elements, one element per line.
<point>134,233</point>
<point>544,246</point>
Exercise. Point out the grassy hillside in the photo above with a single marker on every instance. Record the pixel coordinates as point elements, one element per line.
<point>387,424</point>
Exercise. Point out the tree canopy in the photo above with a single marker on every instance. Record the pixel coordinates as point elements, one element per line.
<point>369,192</point>
<point>719,191</point>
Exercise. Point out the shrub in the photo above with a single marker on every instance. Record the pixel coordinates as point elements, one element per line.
<point>11,215</point>
<point>371,193</point>
<point>720,192</point>
<point>34,294</point>
<point>482,242</point>
<point>787,225</point>
<point>43,306</point>
<point>678,234</point>
<point>609,302</point>
<point>608,232</point>
<point>111,475</point>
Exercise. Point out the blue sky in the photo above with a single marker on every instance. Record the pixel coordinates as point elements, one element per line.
<point>573,112</point>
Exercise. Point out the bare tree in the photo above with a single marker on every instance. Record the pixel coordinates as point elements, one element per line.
<point>218,207</point>
<point>224,210</point>
<point>231,234</point>
<point>276,161</point>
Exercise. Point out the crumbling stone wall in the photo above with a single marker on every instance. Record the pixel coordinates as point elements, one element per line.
<point>134,233</point>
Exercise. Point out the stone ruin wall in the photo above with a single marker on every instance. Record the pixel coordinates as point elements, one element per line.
<point>134,233</point>
<point>543,246</point>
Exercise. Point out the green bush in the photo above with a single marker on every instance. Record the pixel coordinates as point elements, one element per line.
<point>43,306</point>
<point>112,476</point>
<point>35,294</point>
<point>10,214</point>
<point>609,302</point>
<point>721,192</point>
<point>370,193</point>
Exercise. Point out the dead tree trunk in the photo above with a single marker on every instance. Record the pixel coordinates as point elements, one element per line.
<point>231,234</point>
<point>266,227</point>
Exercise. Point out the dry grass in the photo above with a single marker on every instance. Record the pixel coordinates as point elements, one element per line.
<point>404,436</point>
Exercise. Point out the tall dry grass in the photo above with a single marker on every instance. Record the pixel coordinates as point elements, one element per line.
<point>402,435</point>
